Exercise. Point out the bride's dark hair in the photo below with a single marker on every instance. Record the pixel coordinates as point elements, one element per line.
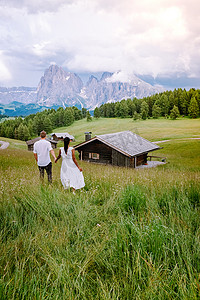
<point>66,144</point>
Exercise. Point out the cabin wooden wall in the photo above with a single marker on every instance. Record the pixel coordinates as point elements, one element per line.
<point>118,159</point>
<point>105,152</point>
<point>109,155</point>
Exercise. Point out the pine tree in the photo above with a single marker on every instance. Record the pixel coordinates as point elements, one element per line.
<point>26,134</point>
<point>183,105</point>
<point>77,113</point>
<point>117,109</point>
<point>84,112</point>
<point>108,111</point>
<point>61,117</point>
<point>69,116</point>
<point>197,97</point>
<point>54,119</point>
<point>131,107</point>
<point>193,109</point>
<point>96,113</point>
<point>47,124</point>
<point>156,111</point>
<point>112,109</point>
<point>174,113</point>
<point>171,100</point>
<point>163,103</point>
<point>16,134</point>
<point>21,132</point>
<point>3,129</point>
<point>88,116</point>
<point>38,124</point>
<point>136,116</point>
<point>9,132</point>
<point>30,127</point>
<point>144,110</point>
<point>123,109</point>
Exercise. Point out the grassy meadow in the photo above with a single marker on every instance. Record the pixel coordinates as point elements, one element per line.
<point>129,234</point>
<point>151,129</point>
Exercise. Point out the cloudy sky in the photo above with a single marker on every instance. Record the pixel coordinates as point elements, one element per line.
<point>154,38</point>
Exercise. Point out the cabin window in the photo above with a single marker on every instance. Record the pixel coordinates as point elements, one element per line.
<point>94,155</point>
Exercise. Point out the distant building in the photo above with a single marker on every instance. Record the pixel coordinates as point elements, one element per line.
<point>31,143</point>
<point>61,136</point>
<point>124,148</point>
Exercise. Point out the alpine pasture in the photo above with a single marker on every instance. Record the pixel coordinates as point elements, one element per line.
<point>129,234</point>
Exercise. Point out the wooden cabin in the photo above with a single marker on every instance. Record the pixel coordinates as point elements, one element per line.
<point>124,148</point>
<point>31,143</point>
<point>61,136</point>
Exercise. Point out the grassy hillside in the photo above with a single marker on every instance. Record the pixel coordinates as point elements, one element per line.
<point>151,129</point>
<point>129,234</point>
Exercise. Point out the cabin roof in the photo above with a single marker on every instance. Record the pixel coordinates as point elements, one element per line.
<point>126,142</point>
<point>63,135</point>
<point>31,142</point>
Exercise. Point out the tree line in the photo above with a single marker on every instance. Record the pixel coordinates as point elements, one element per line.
<point>167,104</point>
<point>32,125</point>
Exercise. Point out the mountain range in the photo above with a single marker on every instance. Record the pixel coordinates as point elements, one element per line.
<point>58,87</point>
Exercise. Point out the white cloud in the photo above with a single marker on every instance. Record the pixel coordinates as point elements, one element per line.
<point>147,37</point>
<point>35,6</point>
<point>120,76</point>
<point>4,72</point>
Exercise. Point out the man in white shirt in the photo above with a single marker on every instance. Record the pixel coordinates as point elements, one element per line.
<point>41,152</point>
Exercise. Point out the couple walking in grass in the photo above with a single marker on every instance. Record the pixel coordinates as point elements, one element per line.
<point>70,174</point>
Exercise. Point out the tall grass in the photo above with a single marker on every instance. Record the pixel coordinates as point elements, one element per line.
<point>129,234</point>
<point>134,244</point>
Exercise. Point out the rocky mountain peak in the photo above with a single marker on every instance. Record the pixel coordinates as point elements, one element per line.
<point>92,80</point>
<point>65,88</point>
<point>61,88</point>
<point>53,69</point>
<point>106,75</point>
<point>58,86</point>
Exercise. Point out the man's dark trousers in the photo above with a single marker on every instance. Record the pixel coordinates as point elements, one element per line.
<point>48,169</point>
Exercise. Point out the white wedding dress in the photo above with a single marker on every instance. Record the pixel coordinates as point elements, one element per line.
<point>70,175</point>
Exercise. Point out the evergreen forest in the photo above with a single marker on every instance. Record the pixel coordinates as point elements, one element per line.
<point>168,104</point>
<point>31,126</point>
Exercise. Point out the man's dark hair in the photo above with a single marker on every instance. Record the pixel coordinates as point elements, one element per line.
<point>43,134</point>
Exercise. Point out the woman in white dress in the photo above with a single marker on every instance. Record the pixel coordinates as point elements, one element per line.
<point>70,174</point>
